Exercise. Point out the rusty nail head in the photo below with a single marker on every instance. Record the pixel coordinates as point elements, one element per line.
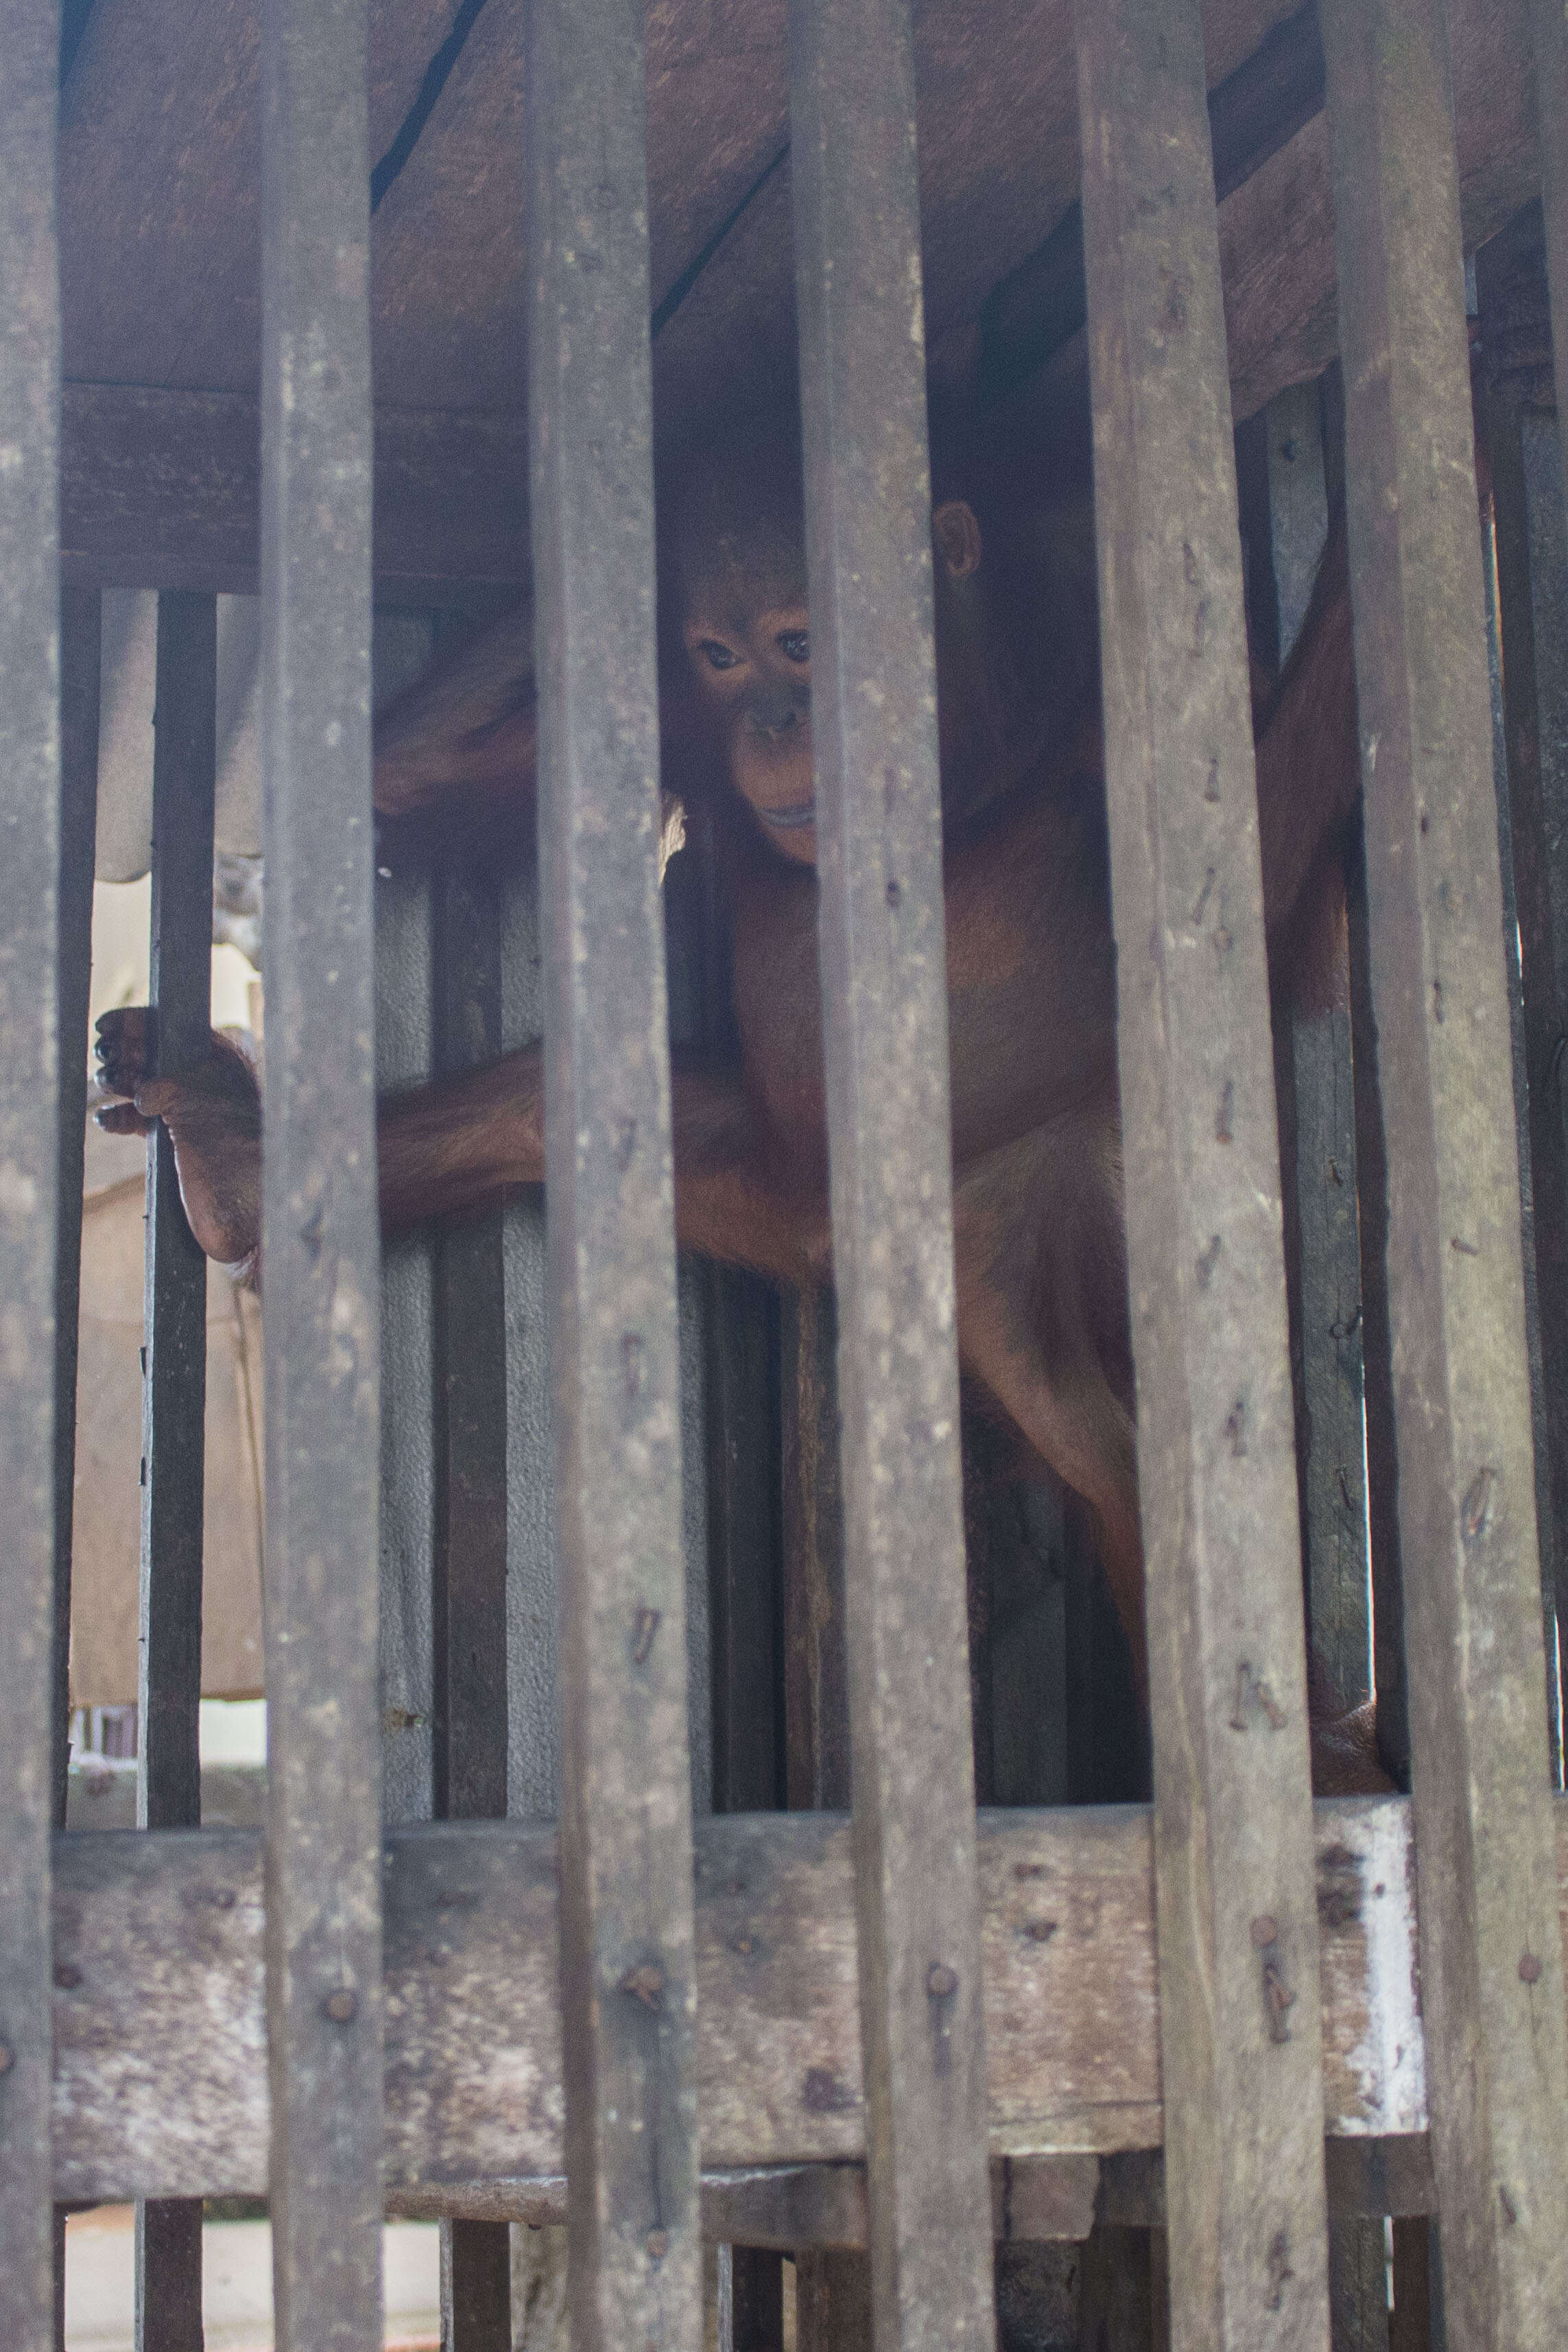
<point>67,1976</point>
<point>645,1984</point>
<point>645,1627</point>
<point>8,2057</point>
<point>658,2244</point>
<point>940,1981</point>
<point>1529,1969</point>
<point>1264,1931</point>
<point>342,2006</point>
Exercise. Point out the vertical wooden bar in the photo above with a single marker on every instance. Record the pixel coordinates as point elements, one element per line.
<point>30,809</point>
<point>82,618</point>
<point>1389,1678</point>
<point>1240,2036</point>
<point>816,1665</point>
<point>81,652</point>
<point>1315,1088</point>
<point>1549,25</point>
<point>1319,1083</point>
<point>469,1599</point>
<point>320,1228</point>
<point>857,266</point>
<point>1339,1584</point>
<point>1387,1573</point>
<point>743,1430</point>
<point>1529,868</point>
<point>404,1048</point>
<point>1492,1958</point>
<point>174,1356</point>
<point>743,1541</point>
<point>832,2287</point>
<point>627,1981</point>
<point>173,1393</point>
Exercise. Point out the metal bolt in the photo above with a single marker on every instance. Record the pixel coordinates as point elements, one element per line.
<point>1529,1969</point>
<point>1264,1931</point>
<point>341,2007</point>
<point>940,1981</point>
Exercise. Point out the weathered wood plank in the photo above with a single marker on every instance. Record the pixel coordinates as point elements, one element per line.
<point>1276,231</point>
<point>80,670</point>
<point>161,489</point>
<point>1238,1934</point>
<point>884,986</point>
<point>1491,1951</point>
<point>31,806</point>
<point>468,1597</point>
<point>1549,26</point>
<point>450,500</point>
<point>626,1982</point>
<point>160,2082</point>
<point>1526,860</point>
<point>1491,1948</point>
<point>174,1397</point>
<point>787,2207</point>
<point>320,1234</point>
<point>175,1356</point>
<point>160,149</point>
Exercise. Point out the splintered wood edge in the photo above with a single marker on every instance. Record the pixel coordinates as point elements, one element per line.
<point>159,2036</point>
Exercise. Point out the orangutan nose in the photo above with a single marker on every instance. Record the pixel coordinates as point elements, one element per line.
<point>774,716</point>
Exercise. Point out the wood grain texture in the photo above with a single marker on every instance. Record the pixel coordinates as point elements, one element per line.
<point>30,808</point>
<point>160,180</point>
<point>1492,1953</point>
<point>161,489</point>
<point>160,2064</point>
<point>1237,1933</point>
<point>884,989</point>
<point>626,1985</point>
<point>80,696</point>
<point>173,1391</point>
<point>321,1234</point>
<point>160,236</point>
<point>1549,26</point>
<point>1276,231</point>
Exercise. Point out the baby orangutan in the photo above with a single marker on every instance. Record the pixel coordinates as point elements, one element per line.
<point>1040,1260</point>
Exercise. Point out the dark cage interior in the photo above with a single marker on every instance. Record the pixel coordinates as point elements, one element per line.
<point>916,657</point>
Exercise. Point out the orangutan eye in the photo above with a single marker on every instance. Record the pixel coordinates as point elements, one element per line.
<point>794,645</point>
<point>716,656</point>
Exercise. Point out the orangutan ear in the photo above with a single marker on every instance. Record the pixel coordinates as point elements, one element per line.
<point>957,536</point>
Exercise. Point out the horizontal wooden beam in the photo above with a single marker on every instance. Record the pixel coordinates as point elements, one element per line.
<point>161,489</point>
<point>1034,2199</point>
<point>160,2037</point>
<point>1037,2197</point>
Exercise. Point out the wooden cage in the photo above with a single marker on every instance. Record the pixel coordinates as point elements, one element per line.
<point>1224,2015</point>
